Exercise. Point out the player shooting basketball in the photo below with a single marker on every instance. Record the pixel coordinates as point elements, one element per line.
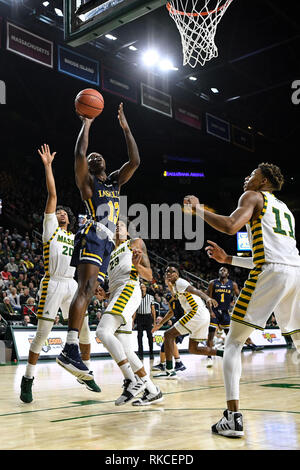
<point>94,242</point>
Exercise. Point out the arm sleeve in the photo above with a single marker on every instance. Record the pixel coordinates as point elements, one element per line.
<point>181,285</point>
<point>242,262</point>
<point>50,224</point>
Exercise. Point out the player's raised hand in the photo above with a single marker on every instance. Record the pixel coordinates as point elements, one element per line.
<point>46,155</point>
<point>122,119</point>
<point>137,256</point>
<point>215,252</point>
<point>192,201</point>
<point>85,119</point>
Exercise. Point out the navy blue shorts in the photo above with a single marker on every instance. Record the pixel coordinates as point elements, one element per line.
<point>222,319</point>
<point>92,247</point>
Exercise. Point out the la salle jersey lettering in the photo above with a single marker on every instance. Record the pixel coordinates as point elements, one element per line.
<point>103,206</point>
<point>223,294</point>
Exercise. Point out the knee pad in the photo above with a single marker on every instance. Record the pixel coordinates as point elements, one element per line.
<point>84,337</point>
<point>42,332</point>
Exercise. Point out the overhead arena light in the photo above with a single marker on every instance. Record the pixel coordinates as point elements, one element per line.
<point>45,4</point>
<point>111,37</point>
<point>193,79</point>
<point>133,48</point>
<point>58,12</point>
<point>215,90</point>
<point>150,57</point>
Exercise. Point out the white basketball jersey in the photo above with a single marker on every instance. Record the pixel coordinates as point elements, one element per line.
<point>272,235</point>
<point>58,248</point>
<point>187,300</point>
<point>120,269</point>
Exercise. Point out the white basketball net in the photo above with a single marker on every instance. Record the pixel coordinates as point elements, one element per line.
<point>197,22</point>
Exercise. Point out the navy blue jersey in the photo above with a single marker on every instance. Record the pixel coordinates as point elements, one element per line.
<point>223,294</point>
<point>176,307</point>
<point>103,206</point>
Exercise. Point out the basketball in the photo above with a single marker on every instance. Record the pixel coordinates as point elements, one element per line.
<point>89,103</point>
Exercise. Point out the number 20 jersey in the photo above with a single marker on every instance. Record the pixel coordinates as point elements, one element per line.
<point>58,248</point>
<point>272,234</point>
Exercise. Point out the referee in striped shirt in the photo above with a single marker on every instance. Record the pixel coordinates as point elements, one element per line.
<point>145,317</point>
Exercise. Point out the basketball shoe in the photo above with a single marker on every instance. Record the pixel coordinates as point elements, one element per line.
<point>130,390</point>
<point>26,389</point>
<point>231,425</point>
<point>149,398</point>
<point>90,384</point>
<point>71,360</point>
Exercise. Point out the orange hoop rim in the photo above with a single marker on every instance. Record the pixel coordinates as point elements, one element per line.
<point>173,11</point>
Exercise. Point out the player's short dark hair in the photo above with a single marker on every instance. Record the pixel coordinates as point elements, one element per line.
<point>71,216</point>
<point>273,173</point>
<point>176,266</point>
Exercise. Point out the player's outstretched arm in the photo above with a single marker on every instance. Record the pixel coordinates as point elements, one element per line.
<point>217,253</point>
<point>82,176</point>
<point>128,169</point>
<point>231,224</point>
<point>208,300</point>
<point>140,259</point>
<point>47,159</point>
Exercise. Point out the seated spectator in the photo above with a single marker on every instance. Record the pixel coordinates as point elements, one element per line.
<point>5,275</point>
<point>57,321</point>
<point>27,321</point>
<point>12,267</point>
<point>30,307</point>
<point>25,296</point>
<point>6,309</point>
<point>14,298</point>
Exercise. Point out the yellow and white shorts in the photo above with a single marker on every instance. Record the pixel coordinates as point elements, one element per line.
<point>55,293</point>
<point>270,288</point>
<point>195,323</point>
<point>124,302</point>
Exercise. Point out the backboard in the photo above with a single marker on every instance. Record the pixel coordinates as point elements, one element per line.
<point>85,20</point>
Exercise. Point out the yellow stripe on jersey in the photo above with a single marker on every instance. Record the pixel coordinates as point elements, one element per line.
<point>258,249</point>
<point>46,252</point>
<point>91,207</point>
<point>42,300</point>
<point>241,306</point>
<point>122,300</point>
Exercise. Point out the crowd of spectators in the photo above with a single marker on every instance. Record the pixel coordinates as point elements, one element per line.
<point>22,268</point>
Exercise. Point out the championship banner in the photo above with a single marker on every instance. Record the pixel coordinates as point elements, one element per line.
<point>217,127</point>
<point>119,85</point>
<point>243,139</point>
<point>29,45</point>
<point>188,115</point>
<point>156,100</point>
<point>78,66</point>
<point>23,337</point>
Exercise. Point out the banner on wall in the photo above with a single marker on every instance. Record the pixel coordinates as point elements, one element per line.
<point>29,45</point>
<point>23,337</point>
<point>78,66</point>
<point>118,84</point>
<point>188,115</point>
<point>156,100</point>
<point>243,139</point>
<point>217,127</point>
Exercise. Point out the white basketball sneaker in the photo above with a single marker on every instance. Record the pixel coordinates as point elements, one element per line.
<point>231,425</point>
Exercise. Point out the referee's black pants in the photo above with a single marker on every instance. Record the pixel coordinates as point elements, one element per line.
<point>144,323</point>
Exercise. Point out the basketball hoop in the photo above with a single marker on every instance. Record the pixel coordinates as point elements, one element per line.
<point>197,27</point>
